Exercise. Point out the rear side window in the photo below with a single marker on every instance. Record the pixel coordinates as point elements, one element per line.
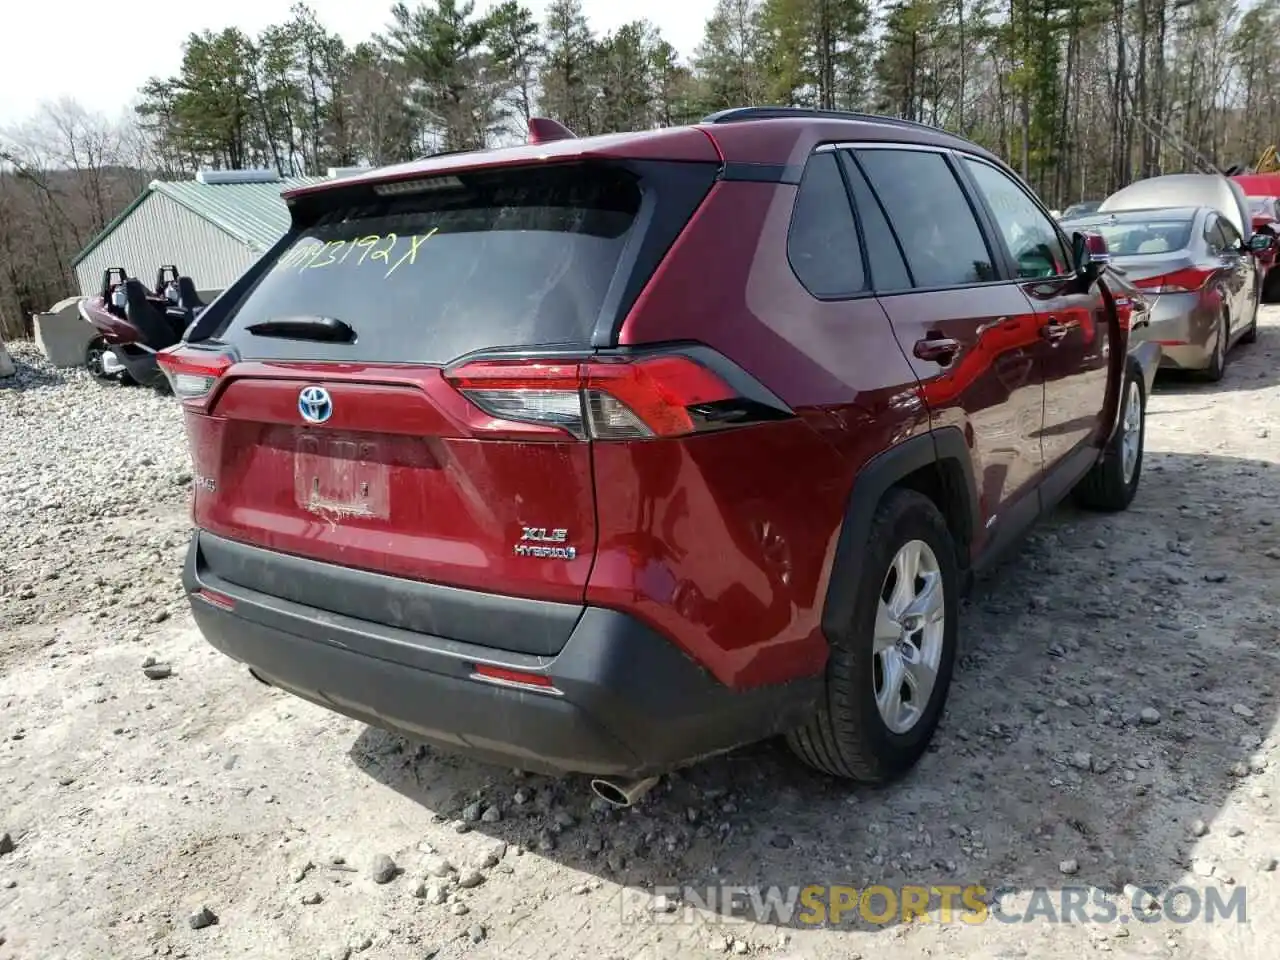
<point>517,258</point>
<point>1213,235</point>
<point>1231,239</point>
<point>822,244</point>
<point>940,236</point>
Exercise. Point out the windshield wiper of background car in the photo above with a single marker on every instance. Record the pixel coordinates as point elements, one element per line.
<point>327,329</point>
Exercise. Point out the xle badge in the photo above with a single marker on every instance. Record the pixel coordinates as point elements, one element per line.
<point>545,544</point>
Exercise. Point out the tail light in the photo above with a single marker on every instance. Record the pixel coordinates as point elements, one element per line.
<point>609,399</point>
<point>192,373</point>
<point>1189,280</point>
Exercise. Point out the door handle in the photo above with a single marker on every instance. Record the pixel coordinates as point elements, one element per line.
<point>937,349</point>
<point>1053,331</point>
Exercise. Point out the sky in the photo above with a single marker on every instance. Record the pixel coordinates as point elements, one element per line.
<point>100,54</point>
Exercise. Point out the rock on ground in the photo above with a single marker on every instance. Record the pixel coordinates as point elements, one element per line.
<point>132,801</point>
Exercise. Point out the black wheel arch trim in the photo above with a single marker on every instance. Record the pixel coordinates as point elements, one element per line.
<point>1145,357</point>
<point>1142,364</point>
<point>883,472</point>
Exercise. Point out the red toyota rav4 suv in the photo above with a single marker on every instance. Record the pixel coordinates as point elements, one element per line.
<point>604,455</point>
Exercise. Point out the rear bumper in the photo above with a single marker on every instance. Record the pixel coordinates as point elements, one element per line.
<point>1185,357</point>
<point>626,702</point>
<point>1183,327</point>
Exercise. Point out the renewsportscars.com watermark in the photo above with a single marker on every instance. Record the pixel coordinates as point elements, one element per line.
<point>878,905</point>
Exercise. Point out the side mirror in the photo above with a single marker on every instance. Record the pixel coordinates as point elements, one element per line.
<point>1262,243</point>
<point>1090,254</point>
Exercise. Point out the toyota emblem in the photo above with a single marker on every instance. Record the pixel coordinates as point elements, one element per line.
<point>315,404</point>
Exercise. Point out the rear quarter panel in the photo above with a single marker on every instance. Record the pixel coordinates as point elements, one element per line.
<point>726,542</point>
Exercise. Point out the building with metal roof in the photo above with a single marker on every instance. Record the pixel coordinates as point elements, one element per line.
<point>212,228</point>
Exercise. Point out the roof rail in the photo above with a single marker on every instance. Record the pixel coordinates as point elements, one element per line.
<point>459,152</point>
<point>446,153</point>
<point>742,114</point>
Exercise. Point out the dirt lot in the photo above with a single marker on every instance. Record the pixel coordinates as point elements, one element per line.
<point>1112,723</point>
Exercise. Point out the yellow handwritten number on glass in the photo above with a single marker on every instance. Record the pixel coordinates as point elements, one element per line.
<point>331,248</point>
<point>385,255</point>
<point>412,254</point>
<point>368,243</point>
<point>308,255</point>
<point>317,254</point>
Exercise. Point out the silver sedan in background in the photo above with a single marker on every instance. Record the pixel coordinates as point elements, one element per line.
<point>1199,275</point>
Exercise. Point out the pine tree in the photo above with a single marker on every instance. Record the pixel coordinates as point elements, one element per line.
<point>443,50</point>
<point>620,68</point>
<point>565,78</point>
<point>729,64</point>
<point>518,50</point>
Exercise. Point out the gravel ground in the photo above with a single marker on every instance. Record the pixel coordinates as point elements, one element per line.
<point>1112,723</point>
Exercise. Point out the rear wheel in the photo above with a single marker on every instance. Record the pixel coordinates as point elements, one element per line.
<point>885,692</point>
<point>1251,335</point>
<point>1218,359</point>
<point>1113,481</point>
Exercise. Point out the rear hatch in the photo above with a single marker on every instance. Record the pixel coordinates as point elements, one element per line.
<point>355,414</point>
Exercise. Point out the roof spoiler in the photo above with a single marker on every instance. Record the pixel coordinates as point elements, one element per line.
<point>545,130</point>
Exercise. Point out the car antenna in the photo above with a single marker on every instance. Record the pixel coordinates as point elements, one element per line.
<point>546,130</point>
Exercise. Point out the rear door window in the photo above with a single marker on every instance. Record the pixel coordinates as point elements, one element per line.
<point>941,239</point>
<point>520,258</point>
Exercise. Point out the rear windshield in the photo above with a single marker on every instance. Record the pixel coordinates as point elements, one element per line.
<point>1143,236</point>
<point>521,258</point>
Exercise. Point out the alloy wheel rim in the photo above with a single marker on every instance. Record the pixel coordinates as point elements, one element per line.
<point>1131,442</point>
<point>909,634</point>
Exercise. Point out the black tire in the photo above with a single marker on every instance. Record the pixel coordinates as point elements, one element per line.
<point>1218,360</point>
<point>1105,487</point>
<point>847,737</point>
<point>93,352</point>
<point>1251,335</point>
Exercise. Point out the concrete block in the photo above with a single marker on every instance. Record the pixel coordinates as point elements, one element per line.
<point>62,334</point>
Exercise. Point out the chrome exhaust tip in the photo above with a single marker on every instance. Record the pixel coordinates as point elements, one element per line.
<point>624,794</point>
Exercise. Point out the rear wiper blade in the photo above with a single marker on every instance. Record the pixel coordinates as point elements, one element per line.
<point>328,329</point>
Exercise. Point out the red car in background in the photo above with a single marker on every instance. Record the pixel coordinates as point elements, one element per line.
<point>1263,191</point>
